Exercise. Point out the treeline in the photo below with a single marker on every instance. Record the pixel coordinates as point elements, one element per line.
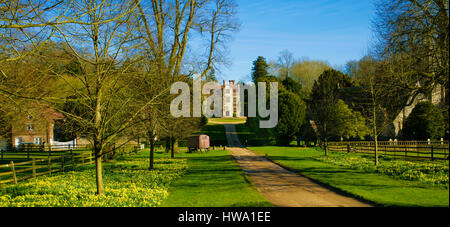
<point>398,90</point>
<point>107,66</point>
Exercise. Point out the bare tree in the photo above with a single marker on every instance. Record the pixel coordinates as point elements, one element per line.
<point>101,40</point>
<point>415,33</point>
<point>285,62</point>
<point>107,41</point>
<point>168,28</point>
<point>367,74</point>
<point>176,21</point>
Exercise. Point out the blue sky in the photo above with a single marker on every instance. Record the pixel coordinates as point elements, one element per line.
<point>331,30</point>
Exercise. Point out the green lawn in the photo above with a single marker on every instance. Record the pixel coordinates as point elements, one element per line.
<point>213,180</point>
<point>381,189</point>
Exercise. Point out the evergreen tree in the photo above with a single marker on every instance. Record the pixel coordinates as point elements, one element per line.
<point>259,69</point>
<point>424,122</point>
<point>330,114</point>
<point>293,86</point>
<point>292,111</point>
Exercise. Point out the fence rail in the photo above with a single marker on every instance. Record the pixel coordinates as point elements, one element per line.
<point>432,150</point>
<point>53,162</point>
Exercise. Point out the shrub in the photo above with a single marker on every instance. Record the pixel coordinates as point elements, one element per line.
<point>425,122</point>
<point>292,112</point>
<point>203,120</point>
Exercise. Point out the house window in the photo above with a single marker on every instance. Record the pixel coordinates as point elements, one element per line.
<point>38,140</point>
<point>18,141</point>
<point>228,100</point>
<point>30,127</point>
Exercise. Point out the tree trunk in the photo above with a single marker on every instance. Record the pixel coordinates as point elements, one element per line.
<point>374,119</point>
<point>152,150</point>
<point>375,133</point>
<point>98,168</point>
<point>172,147</point>
<point>168,145</point>
<point>376,151</point>
<point>326,147</point>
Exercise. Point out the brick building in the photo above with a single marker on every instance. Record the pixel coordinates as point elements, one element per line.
<point>34,126</point>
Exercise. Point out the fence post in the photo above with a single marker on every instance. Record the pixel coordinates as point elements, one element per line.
<point>33,167</point>
<point>348,148</point>
<point>13,170</point>
<point>72,159</point>
<point>49,165</point>
<point>28,152</point>
<point>432,153</point>
<point>90,157</point>
<point>62,163</point>
<point>406,152</point>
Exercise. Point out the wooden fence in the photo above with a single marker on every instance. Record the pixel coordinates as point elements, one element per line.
<point>38,152</point>
<point>54,161</point>
<point>429,150</point>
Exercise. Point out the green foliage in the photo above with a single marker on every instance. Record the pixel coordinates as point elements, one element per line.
<point>307,71</point>
<point>254,135</point>
<point>259,69</point>
<point>70,127</point>
<point>291,111</point>
<point>216,134</point>
<point>347,122</point>
<point>74,67</point>
<point>331,115</point>
<point>5,125</point>
<point>326,88</point>
<point>307,132</point>
<point>292,86</point>
<point>203,120</point>
<point>425,122</point>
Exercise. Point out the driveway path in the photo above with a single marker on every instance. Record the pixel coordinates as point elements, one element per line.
<point>280,186</point>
